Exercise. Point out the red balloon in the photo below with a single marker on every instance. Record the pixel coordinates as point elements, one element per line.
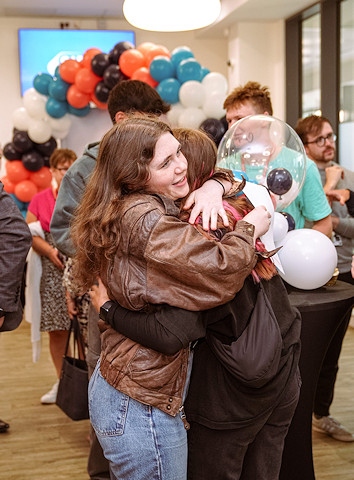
<point>68,70</point>
<point>86,80</point>
<point>145,47</point>
<point>143,75</point>
<point>16,171</point>
<point>131,60</point>
<point>41,178</point>
<point>25,190</point>
<point>76,98</point>
<point>9,186</point>
<point>88,56</point>
<point>155,51</point>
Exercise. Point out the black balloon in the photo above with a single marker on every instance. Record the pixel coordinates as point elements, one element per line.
<point>10,153</point>
<point>279,181</point>
<point>112,75</point>
<point>290,220</point>
<point>214,128</point>
<point>21,141</point>
<point>99,63</point>
<point>32,161</point>
<point>102,92</point>
<point>117,51</point>
<point>47,148</point>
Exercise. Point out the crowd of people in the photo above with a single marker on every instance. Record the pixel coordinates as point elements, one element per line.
<point>159,252</point>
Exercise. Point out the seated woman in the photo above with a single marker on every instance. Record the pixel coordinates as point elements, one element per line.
<point>127,232</point>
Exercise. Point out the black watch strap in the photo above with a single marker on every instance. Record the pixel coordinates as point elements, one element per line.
<point>105,308</point>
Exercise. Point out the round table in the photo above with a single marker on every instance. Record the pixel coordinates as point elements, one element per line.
<point>322,311</point>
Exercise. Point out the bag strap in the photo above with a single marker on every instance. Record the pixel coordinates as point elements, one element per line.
<point>78,341</point>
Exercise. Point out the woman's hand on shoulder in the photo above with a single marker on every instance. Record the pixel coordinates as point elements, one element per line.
<point>207,201</point>
<point>260,218</point>
<point>98,295</point>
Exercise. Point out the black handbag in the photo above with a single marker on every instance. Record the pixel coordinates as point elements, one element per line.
<point>253,358</point>
<point>72,395</point>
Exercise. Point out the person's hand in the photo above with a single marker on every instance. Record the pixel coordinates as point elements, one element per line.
<point>335,222</point>
<point>98,294</point>
<point>260,218</point>
<point>333,175</point>
<point>55,257</point>
<point>71,305</point>
<point>340,196</point>
<point>207,202</point>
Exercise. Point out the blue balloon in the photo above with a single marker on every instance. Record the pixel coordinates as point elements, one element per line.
<point>79,112</point>
<point>189,69</point>
<point>161,68</point>
<point>23,206</point>
<point>168,90</point>
<point>179,54</point>
<point>55,108</point>
<point>58,89</point>
<point>41,83</point>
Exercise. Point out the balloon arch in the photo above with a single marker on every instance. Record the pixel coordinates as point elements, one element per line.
<point>195,93</point>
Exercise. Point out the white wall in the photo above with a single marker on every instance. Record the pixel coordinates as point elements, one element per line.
<point>210,53</point>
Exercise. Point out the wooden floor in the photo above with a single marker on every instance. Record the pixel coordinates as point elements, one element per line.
<point>43,444</point>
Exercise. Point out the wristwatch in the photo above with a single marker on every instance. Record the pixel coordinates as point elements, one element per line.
<point>105,309</point>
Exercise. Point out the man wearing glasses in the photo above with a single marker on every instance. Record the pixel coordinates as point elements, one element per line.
<point>319,140</point>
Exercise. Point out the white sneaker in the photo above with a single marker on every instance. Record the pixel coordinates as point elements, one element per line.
<point>51,396</point>
<point>330,426</point>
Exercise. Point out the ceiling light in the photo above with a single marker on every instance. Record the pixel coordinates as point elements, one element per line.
<point>171,15</point>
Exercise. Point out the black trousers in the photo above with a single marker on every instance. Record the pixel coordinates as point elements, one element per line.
<point>328,374</point>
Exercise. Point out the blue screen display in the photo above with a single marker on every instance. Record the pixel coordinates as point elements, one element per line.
<point>42,50</point>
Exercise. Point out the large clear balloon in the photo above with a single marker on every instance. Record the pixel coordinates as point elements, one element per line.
<point>308,258</point>
<point>270,153</point>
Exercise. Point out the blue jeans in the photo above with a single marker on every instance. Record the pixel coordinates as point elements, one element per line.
<point>140,442</point>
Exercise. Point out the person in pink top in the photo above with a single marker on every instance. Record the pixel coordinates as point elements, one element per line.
<point>54,312</point>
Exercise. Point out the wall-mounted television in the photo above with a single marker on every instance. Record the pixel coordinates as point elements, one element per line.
<point>42,50</point>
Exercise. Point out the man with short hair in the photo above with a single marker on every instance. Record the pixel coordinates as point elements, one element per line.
<point>311,203</point>
<point>317,135</point>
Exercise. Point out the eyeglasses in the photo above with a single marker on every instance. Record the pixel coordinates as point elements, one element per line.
<point>62,169</point>
<point>321,141</point>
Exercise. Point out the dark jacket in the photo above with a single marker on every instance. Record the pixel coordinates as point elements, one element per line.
<point>15,242</point>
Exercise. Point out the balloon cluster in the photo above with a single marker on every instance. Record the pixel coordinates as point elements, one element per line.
<point>27,166</point>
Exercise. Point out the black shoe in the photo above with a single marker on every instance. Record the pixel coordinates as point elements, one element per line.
<point>4,426</point>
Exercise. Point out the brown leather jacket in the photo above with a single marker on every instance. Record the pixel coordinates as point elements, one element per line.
<point>161,259</point>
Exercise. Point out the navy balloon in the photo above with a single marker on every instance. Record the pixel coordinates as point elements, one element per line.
<point>99,63</point>
<point>279,181</point>
<point>102,92</point>
<point>32,161</point>
<point>117,51</point>
<point>290,220</point>
<point>112,75</point>
<point>214,128</point>
<point>46,148</point>
<point>10,152</point>
<point>21,141</point>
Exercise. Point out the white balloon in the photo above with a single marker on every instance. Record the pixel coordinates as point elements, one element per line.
<point>308,257</point>
<point>213,105</point>
<point>192,94</point>
<point>215,82</point>
<point>39,131</point>
<point>174,113</point>
<point>34,103</point>
<point>60,134</point>
<point>191,117</point>
<point>280,227</point>
<point>60,124</point>
<point>21,119</point>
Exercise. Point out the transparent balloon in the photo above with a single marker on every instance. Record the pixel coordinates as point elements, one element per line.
<point>269,152</point>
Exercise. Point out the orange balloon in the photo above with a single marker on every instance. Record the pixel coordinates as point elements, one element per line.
<point>76,98</point>
<point>9,186</point>
<point>145,47</point>
<point>42,178</point>
<point>155,51</point>
<point>86,80</point>
<point>130,60</point>
<point>68,70</point>
<point>88,56</point>
<point>143,75</point>
<point>16,171</point>
<point>25,190</point>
